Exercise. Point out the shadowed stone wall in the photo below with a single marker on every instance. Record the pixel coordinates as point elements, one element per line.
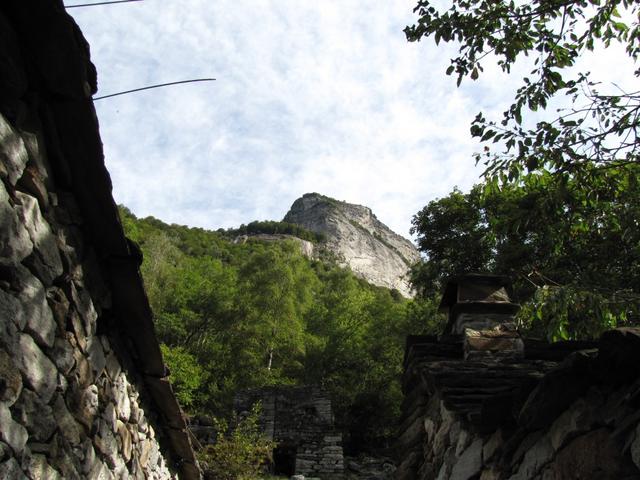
<point>559,413</point>
<point>83,393</point>
<point>300,419</point>
<point>486,404</point>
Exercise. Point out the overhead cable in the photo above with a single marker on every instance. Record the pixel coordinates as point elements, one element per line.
<point>101,3</point>
<point>155,86</point>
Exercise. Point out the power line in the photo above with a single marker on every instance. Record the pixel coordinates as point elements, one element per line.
<point>101,3</point>
<point>155,86</point>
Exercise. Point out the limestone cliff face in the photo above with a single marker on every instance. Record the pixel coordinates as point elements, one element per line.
<point>358,239</point>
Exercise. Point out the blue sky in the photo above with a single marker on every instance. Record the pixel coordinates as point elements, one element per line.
<point>322,97</point>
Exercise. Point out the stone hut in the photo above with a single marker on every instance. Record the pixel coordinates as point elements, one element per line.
<point>483,403</point>
<point>301,421</point>
<point>84,392</point>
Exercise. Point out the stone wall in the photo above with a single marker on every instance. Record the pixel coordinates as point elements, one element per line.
<point>563,411</point>
<point>83,392</point>
<point>300,419</point>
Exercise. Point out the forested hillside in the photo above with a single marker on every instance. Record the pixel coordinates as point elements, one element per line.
<point>235,316</point>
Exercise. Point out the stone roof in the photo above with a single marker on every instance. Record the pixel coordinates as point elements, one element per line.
<point>484,391</point>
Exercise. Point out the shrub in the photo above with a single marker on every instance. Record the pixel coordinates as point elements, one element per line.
<point>239,453</point>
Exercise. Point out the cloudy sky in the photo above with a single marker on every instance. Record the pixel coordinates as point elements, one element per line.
<point>323,96</point>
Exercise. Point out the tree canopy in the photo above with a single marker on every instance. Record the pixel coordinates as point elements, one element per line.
<point>576,263</point>
<point>597,129</point>
<point>559,207</point>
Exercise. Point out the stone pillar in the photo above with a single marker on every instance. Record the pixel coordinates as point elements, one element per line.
<point>478,302</point>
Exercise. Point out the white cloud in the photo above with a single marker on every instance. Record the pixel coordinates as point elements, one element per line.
<point>310,96</point>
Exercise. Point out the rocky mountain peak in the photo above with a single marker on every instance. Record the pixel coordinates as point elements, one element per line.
<point>358,239</point>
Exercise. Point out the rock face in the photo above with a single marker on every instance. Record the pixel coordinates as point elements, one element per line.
<point>358,239</point>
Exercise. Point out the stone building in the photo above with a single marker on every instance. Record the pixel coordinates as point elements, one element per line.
<point>83,388</point>
<point>301,421</point>
<point>483,403</point>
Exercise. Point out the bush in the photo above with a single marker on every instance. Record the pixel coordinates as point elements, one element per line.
<point>238,454</point>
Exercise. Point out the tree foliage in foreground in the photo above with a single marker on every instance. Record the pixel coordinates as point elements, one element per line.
<point>559,206</point>
<point>236,316</point>
<point>600,126</point>
<point>575,261</point>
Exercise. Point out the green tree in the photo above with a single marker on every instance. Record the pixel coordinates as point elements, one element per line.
<point>186,373</point>
<point>454,233</point>
<point>575,260</point>
<point>599,130</point>
<point>276,292</point>
<point>160,259</point>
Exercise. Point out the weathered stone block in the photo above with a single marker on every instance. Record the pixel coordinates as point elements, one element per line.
<point>100,472</point>
<point>110,416</point>
<point>87,406</point>
<point>15,243</point>
<point>66,466</point>
<point>89,456</point>
<point>86,309</point>
<point>10,379</point>
<point>593,455</point>
<point>11,310</point>
<point>59,304</point>
<point>11,469</point>
<point>499,341</point>
<point>39,469</point>
<point>106,442</point>
<point>68,426</point>
<point>575,420</point>
<point>96,356</point>
<point>492,446</point>
<point>12,433</point>
<point>36,415</point>
<point>77,326</point>
<point>121,397</point>
<point>125,440</point>
<point>469,463</point>
<point>38,317</point>
<point>33,180</point>
<point>62,354</point>
<point>112,365</point>
<point>535,459</point>
<point>13,154</point>
<point>84,373</point>
<point>39,372</point>
<point>46,259</point>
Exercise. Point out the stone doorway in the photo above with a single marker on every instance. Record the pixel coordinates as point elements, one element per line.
<point>284,460</point>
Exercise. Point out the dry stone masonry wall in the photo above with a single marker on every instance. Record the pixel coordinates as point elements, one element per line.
<point>68,407</point>
<point>82,387</point>
<point>486,404</point>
